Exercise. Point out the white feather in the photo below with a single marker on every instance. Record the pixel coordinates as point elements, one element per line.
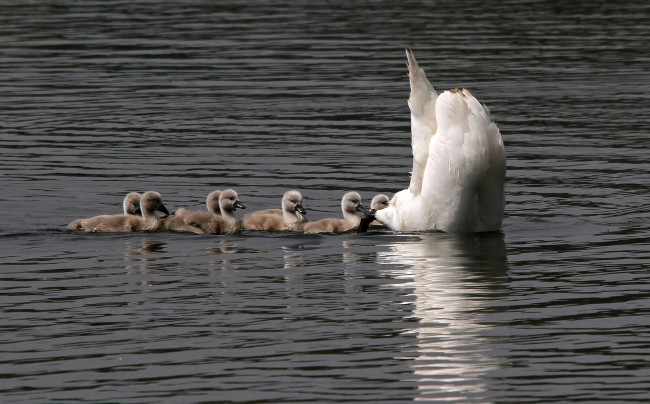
<point>422,103</point>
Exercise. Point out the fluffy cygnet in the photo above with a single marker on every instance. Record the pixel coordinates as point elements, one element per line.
<point>176,220</point>
<point>289,218</point>
<point>379,202</point>
<point>130,206</point>
<point>212,223</point>
<point>350,204</point>
<point>150,203</point>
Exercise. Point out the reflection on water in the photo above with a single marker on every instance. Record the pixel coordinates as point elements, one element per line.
<point>352,272</point>
<point>293,277</point>
<point>225,252</point>
<point>292,256</point>
<point>453,278</point>
<point>266,96</point>
<point>140,255</point>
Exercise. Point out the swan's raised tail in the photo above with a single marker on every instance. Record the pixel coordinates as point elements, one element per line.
<point>457,183</point>
<point>422,103</point>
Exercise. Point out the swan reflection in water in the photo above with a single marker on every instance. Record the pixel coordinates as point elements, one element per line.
<point>142,258</point>
<point>141,255</point>
<point>455,279</point>
<point>224,252</point>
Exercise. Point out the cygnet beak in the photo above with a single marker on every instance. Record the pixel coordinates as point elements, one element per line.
<point>366,219</point>
<point>300,209</point>
<point>239,205</point>
<point>164,210</point>
<point>360,208</point>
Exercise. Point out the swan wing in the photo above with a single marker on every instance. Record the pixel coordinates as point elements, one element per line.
<point>491,190</point>
<point>463,179</point>
<point>422,101</point>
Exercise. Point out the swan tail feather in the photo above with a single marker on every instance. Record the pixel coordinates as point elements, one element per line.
<point>422,101</point>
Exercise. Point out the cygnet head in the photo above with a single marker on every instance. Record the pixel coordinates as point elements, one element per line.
<point>212,202</point>
<point>229,202</point>
<point>151,202</point>
<point>292,202</point>
<point>131,204</point>
<point>351,203</point>
<point>379,202</point>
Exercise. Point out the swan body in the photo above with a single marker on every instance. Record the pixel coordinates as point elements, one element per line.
<point>350,205</point>
<point>290,218</point>
<point>457,182</point>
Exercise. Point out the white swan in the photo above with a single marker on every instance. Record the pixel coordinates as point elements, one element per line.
<point>457,182</point>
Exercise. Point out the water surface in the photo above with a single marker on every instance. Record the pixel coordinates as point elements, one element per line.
<point>103,98</point>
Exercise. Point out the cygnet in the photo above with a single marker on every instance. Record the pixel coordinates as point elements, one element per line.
<point>350,204</point>
<point>379,202</point>
<point>176,220</point>
<point>150,203</point>
<point>130,206</point>
<point>212,223</point>
<point>289,218</point>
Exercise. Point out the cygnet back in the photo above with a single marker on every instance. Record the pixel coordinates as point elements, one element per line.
<point>176,221</point>
<point>130,206</point>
